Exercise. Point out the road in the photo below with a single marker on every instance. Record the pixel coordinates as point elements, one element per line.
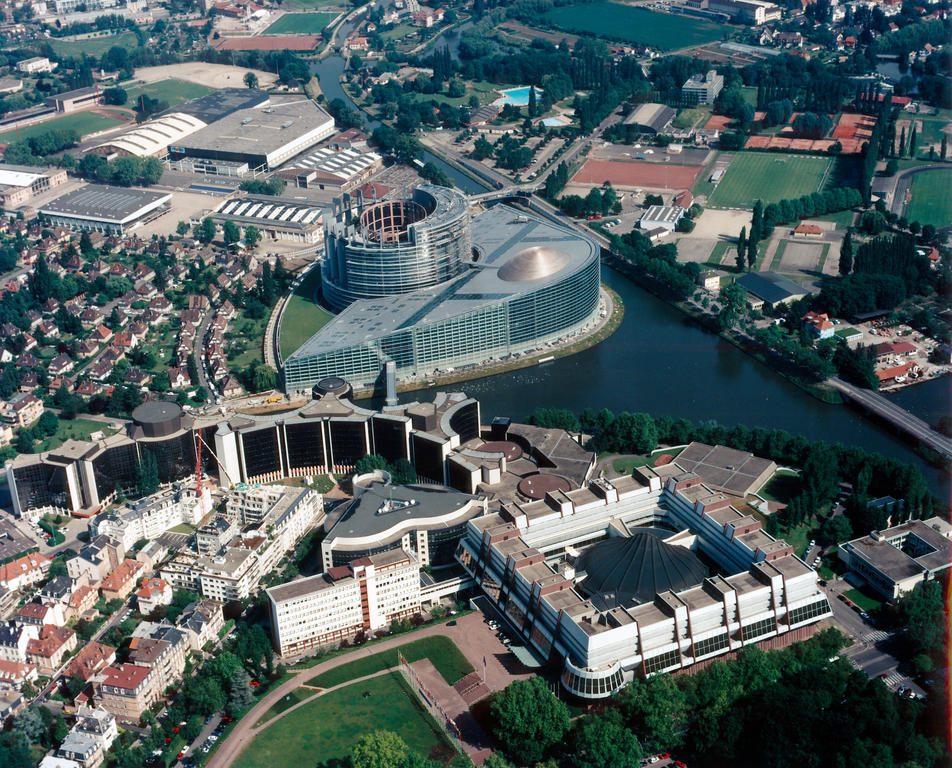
<point>898,417</point>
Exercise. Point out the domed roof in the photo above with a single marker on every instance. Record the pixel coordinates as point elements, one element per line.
<point>637,568</point>
<point>532,264</point>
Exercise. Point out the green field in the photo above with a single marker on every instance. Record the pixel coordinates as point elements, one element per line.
<point>615,21</point>
<point>76,429</point>
<point>94,46</point>
<point>931,202</point>
<point>300,24</point>
<point>322,731</point>
<point>302,316</point>
<point>864,601</point>
<point>442,651</point>
<point>171,91</point>
<point>295,697</point>
<point>82,122</point>
<point>769,176</point>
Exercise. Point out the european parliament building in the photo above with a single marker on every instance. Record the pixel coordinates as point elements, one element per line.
<point>424,284</point>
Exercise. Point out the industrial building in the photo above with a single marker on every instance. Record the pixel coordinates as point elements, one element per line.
<point>151,139</point>
<point>326,168</point>
<point>263,137</point>
<point>769,288</point>
<point>895,560</point>
<point>103,208</point>
<point>276,218</point>
<point>426,287</point>
<point>651,118</point>
<point>661,217</point>
<point>71,101</point>
<point>19,184</point>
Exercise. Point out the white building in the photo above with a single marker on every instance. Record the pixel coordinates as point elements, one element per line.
<point>661,217</point>
<point>364,596</point>
<point>34,65</point>
<point>702,89</point>
<point>150,517</point>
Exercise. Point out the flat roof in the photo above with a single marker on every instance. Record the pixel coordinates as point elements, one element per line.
<point>651,115</point>
<point>770,286</point>
<point>258,131</point>
<point>500,234</point>
<point>217,104</point>
<point>301,587</point>
<point>668,214</point>
<point>20,175</point>
<point>725,468</point>
<point>101,202</point>
<point>272,212</point>
<point>345,163</point>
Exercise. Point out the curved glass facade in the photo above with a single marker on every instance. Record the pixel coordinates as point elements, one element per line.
<point>398,246</point>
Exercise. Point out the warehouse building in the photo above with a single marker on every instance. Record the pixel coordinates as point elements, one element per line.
<point>327,168</point>
<point>661,217</point>
<point>103,208</point>
<point>769,288</point>
<point>19,184</point>
<point>276,217</point>
<point>151,139</point>
<point>71,101</point>
<point>263,137</point>
<point>651,118</point>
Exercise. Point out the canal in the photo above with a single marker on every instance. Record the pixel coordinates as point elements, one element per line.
<point>660,362</point>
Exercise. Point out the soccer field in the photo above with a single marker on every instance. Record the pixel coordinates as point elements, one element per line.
<point>769,176</point>
<point>615,21</point>
<point>82,122</point>
<point>172,91</point>
<point>931,202</point>
<point>300,24</point>
<point>94,46</point>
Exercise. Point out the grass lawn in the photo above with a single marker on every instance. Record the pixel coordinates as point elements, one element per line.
<point>615,21</point>
<point>300,24</point>
<point>864,601</point>
<point>932,126</point>
<point>626,465</point>
<point>171,91</point>
<point>442,651</point>
<point>183,528</point>
<point>842,219</point>
<point>305,5</point>
<point>481,89</point>
<point>77,429</point>
<point>798,537</point>
<point>295,697</point>
<point>931,202</point>
<point>769,176</point>
<point>303,317</point>
<point>252,331</point>
<point>688,117</point>
<point>397,32</point>
<point>782,487</point>
<point>81,122</point>
<point>94,46</point>
<point>326,728</point>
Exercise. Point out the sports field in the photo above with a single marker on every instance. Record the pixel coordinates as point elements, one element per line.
<point>624,173</point>
<point>615,21</point>
<point>94,46</point>
<point>769,176</point>
<point>171,91</point>
<point>302,317</point>
<point>931,202</point>
<point>81,122</point>
<point>300,24</point>
<point>322,731</point>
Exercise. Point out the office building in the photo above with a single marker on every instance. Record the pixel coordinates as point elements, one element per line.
<point>363,596</point>
<point>34,65</point>
<point>101,208</point>
<point>702,89</point>
<point>894,560</point>
<point>19,184</point>
<point>428,288</point>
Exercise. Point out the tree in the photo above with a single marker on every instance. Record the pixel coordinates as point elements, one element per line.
<point>528,720</point>
<point>117,96</point>
<point>741,248</point>
<point>836,529</point>
<point>240,695</point>
<point>206,232</point>
<point>251,79</point>
<point>252,236</point>
<point>656,709</point>
<point>147,474</point>
<point>533,107</point>
<point>913,140</point>
<point>230,233</point>
<point>379,749</point>
<point>30,723</point>
<point>263,378</point>
<point>846,254</point>
<point>751,254</point>
<point>943,147</point>
<point>603,741</point>
<point>181,228</point>
<point>482,148</point>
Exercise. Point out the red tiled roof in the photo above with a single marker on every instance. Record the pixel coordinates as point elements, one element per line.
<point>126,676</point>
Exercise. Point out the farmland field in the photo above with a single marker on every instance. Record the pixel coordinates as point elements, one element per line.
<point>93,46</point>
<point>615,21</point>
<point>328,726</point>
<point>769,176</point>
<point>931,202</point>
<point>81,122</point>
<point>300,24</point>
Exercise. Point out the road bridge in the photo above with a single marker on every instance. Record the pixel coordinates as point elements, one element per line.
<point>900,418</point>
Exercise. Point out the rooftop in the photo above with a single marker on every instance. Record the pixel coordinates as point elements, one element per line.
<point>99,201</point>
<point>770,287</point>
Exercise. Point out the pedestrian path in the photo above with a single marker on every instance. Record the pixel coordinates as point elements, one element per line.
<point>875,637</point>
<point>893,680</point>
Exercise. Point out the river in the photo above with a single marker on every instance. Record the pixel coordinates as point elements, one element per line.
<point>662,363</point>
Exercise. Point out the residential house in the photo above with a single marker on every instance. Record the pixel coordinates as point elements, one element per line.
<point>818,325</point>
<point>22,409</point>
<point>91,737</point>
<point>91,660</point>
<point>14,639</point>
<point>126,690</point>
<point>48,651</point>
<point>153,593</point>
<point>39,614</point>
<point>178,378</point>
<point>81,601</point>
<point>24,571</point>
<point>97,559</point>
<point>120,582</point>
<point>60,364</point>
<point>202,621</point>
<point>13,674</point>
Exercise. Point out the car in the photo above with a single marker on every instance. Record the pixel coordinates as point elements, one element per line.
<point>901,690</point>
<point>863,615</point>
<point>451,623</point>
<point>180,755</point>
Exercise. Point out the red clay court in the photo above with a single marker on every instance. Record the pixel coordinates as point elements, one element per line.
<point>270,43</point>
<point>853,126</point>
<point>850,146</point>
<point>622,173</point>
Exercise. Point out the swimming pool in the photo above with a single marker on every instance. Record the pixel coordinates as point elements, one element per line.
<point>556,122</point>
<point>518,97</point>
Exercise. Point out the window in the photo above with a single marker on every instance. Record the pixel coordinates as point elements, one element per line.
<point>807,612</point>
<point>710,645</point>
<point>759,628</point>
<point>663,661</point>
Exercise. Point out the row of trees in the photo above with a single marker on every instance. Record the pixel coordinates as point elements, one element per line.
<point>123,171</point>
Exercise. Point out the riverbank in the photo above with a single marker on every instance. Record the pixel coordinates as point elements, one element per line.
<point>600,334</point>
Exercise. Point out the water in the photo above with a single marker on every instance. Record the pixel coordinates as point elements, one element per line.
<point>662,363</point>
<point>518,97</point>
<point>556,122</point>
